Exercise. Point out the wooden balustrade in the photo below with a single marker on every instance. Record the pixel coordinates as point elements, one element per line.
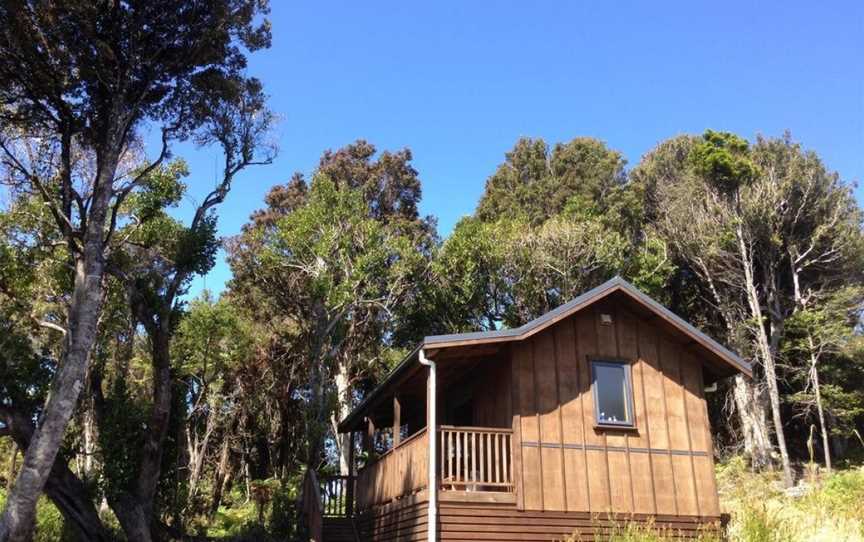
<point>471,459</point>
<point>400,472</point>
<point>336,496</point>
<point>476,459</point>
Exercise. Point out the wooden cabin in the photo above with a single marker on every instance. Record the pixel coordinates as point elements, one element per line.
<point>593,413</point>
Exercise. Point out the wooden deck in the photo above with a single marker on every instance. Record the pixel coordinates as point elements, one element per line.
<point>475,462</point>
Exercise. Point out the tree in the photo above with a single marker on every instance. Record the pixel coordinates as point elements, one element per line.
<point>34,287</point>
<point>160,256</point>
<point>756,225</point>
<point>548,227</point>
<point>335,269</point>
<point>683,209</point>
<point>211,342</point>
<point>84,75</point>
<point>536,184</point>
<point>818,333</point>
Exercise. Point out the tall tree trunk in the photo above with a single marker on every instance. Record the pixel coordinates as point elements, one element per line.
<point>70,496</point>
<point>20,514</point>
<point>63,488</point>
<point>135,511</point>
<point>85,307</point>
<point>343,409</point>
<point>197,453</point>
<point>90,441</point>
<point>749,399</point>
<point>133,519</point>
<point>753,417</point>
<point>766,353</point>
<point>817,390</point>
<point>221,475</point>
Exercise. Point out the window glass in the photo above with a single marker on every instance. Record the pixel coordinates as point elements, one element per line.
<point>612,393</point>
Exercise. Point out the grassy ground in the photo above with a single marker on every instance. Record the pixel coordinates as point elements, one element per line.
<point>827,509</point>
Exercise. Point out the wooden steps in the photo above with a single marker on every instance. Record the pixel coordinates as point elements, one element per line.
<point>338,530</point>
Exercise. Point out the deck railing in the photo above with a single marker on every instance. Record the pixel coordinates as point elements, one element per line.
<point>471,459</point>
<point>476,459</point>
<point>401,471</point>
<point>337,496</point>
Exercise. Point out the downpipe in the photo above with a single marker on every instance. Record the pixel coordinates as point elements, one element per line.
<point>432,433</point>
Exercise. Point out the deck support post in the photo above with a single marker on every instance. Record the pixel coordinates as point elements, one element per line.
<point>432,433</point>
<point>397,421</point>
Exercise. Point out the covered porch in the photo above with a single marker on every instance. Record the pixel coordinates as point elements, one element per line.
<point>474,448</point>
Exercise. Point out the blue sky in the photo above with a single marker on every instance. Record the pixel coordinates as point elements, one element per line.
<point>459,82</point>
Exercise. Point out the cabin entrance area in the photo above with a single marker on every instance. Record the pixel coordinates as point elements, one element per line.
<point>390,444</point>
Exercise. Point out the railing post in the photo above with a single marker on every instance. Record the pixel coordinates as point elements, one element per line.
<point>369,440</point>
<point>349,492</point>
<point>397,421</point>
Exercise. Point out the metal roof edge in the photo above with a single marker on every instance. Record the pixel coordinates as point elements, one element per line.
<point>518,332</point>
<point>615,283</point>
<point>377,390</point>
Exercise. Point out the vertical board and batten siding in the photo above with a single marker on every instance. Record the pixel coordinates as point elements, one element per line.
<point>492,406</point>
<point>663,467</point>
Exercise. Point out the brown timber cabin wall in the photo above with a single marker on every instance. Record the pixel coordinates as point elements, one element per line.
<point>663,467</point>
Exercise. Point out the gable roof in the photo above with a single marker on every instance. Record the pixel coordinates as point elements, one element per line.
<point>609,287</point>
<point>434,343</point>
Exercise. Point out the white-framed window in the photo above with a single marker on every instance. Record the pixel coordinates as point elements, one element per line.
<point>613,393</point>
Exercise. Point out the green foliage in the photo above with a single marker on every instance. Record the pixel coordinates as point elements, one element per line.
<point>534,184</point>
<point>328,272</point>
<point>121,438</point>
<point>548,227</point>
<point>723,158</point>
<point>238,520</point>
<point>161,189</point>
<point>210,338</point>
<point>632,531</point>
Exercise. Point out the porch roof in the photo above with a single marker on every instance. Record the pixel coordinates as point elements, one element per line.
<point>719,360</point>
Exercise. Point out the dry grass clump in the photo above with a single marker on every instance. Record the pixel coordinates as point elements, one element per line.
<point>628,531</point>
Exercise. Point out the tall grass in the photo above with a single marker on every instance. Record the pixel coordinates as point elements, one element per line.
<point>830,509</point>
<point>826,510</point>
<point>624,531</point>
